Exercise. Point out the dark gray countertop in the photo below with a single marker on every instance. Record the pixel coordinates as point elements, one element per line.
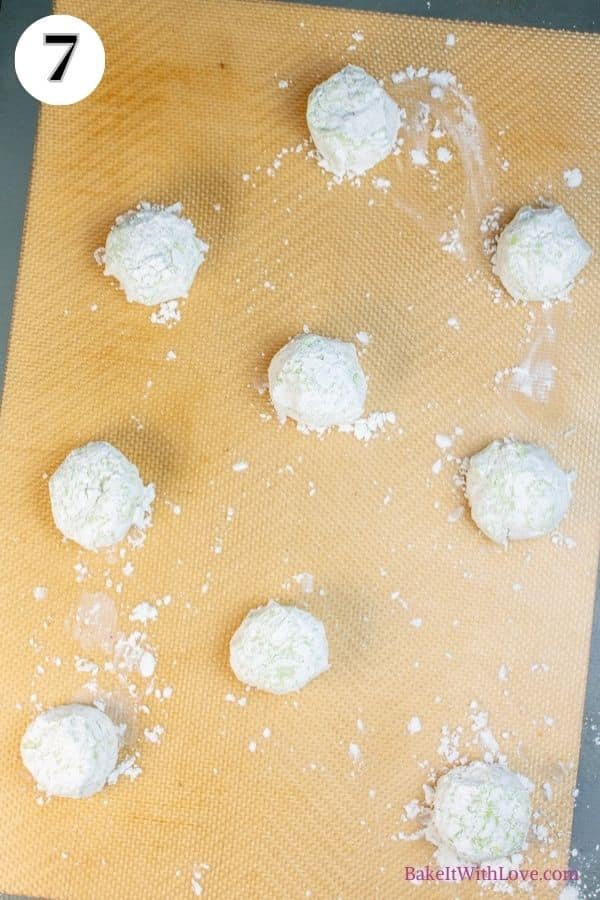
<point>18,119</point>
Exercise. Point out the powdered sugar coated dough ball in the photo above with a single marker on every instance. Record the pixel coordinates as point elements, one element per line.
<point>97,495</point>
<point>353,122</point>
<point>516,491</point>
<point>317,381</point>
<point>481,811</point>
<point>71,750</point>
<point>153,253</point>
<point>539,254</point>
<point>279,649</point>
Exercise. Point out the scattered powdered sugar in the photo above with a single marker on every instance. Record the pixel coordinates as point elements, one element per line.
<point>412,809</point>
<point>81,572</point>
<point>409,74</point>
<point>534,380</point>
<point>167,314</point>
<point>442,79</point>
<point>137,536</point>
<point>363,429</point>
<point>570,892</point>
<point>414,725</point>
<point>562,540</point>
<point>503,673</point>
<point>444,441</point>
<point>85,665</point>
<point>381,184</point>
<point>95,622</point>
<point>449,744</point>
<point>451,739</point>
<point>306,581</point>
<point>534,376</point>
<point>302,149</point>
<point>153,735</point>
<point>490,226</point>
<point>143,612</point>
<point>131,653</point>
<point>368,428</point>
<point>127,768</point>
<point>198,872</point>
<point>451,239</point>
<point>573,178</point>
<point>354,752</point>
<point>419,157</point>
<point>443,154</point>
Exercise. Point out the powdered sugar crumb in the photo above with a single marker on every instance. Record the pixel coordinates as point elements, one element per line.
<point>419,157</point>
<point>414,725</point>
<point>444,441</point>
<point>443,154</point>
<point>143,612</point>
<point>381,184</point>
<point>452,243</point>
<point>127,768</point>
<point>168,314</point>
<point>198,873</point>
<point>354,752</point>
<point>368,428</point>
<point>573,178</point>
<point>153,735</point>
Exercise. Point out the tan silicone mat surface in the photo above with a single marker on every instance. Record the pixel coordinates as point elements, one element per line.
<point>300,796</point>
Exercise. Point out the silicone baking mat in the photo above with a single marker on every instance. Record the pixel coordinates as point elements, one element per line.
<point>431,627</point>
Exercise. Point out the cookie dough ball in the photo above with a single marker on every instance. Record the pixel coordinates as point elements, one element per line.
<point>97,495</point>
<point>71,750</point>
<point>318,382</point>
<point>482,812</point>
<point>352,121</point>
<point>153,253</point>
<point>279,649</point>
<point>516,491</point>
<point>539,254</point>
